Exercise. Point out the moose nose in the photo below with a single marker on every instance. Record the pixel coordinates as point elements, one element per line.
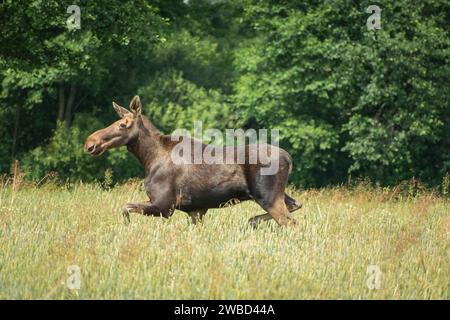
<point>90,147</point>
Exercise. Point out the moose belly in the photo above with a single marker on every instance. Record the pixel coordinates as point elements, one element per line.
<point>212,198</point>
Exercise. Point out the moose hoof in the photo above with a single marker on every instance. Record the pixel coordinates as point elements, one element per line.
<point>294,206</point>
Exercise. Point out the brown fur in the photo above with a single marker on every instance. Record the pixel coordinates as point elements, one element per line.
<point>193,188</point>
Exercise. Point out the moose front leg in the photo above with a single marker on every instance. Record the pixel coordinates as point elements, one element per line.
<point>197,215</point>
<point>147,209</point>
<point>255,221</point>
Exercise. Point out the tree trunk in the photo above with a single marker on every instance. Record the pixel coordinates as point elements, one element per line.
<point>61,101</point>
<point>70,101</point>
<point>15,132</point>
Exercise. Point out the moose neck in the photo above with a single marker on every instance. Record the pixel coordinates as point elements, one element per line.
<point>147,145</point>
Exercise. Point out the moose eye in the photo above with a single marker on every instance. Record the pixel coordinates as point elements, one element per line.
<point>122,125</point>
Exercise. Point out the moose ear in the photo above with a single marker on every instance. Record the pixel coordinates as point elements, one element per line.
<point>121,111</point>
<point>136,106</point>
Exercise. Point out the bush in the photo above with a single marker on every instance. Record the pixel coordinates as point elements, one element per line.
<point>173,102</point>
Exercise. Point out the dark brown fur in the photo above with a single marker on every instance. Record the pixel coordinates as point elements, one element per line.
<point>193,188</point>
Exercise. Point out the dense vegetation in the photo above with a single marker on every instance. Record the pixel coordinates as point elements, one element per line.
<point>349,102</point>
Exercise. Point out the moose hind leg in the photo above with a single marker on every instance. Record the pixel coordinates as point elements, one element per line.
<point>291,204</point>
<point>280,213</point>
<point>276,209</point>
<point>268,192</point>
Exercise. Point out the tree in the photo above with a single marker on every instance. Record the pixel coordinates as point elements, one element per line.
<point>51,64</point>
<point>350,100</point>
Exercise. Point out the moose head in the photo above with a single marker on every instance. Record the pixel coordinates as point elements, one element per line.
<point>119,133</point>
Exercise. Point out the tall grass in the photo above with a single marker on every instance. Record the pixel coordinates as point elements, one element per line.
<point>341,232</point>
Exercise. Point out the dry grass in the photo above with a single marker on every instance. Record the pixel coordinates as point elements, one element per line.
<point>45,229</point>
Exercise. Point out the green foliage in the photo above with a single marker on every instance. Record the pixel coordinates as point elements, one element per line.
<point>49,52</point>
<point>64,155</point>
<point>174,102</point>
<point>349,102</point>
<point>201,60</point>
<point>378,100</point>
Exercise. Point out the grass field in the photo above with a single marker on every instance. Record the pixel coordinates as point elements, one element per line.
<point>341,233</point>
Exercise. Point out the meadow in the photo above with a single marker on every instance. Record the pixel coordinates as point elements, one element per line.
<point>343,234</point>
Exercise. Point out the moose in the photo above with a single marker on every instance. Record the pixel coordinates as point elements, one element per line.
<point>195,188</point>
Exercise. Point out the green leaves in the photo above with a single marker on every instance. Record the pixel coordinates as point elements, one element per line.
<point>378,100</point>
<point>173,102</point>
<point>64,154</point>
<point>347,100</point>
